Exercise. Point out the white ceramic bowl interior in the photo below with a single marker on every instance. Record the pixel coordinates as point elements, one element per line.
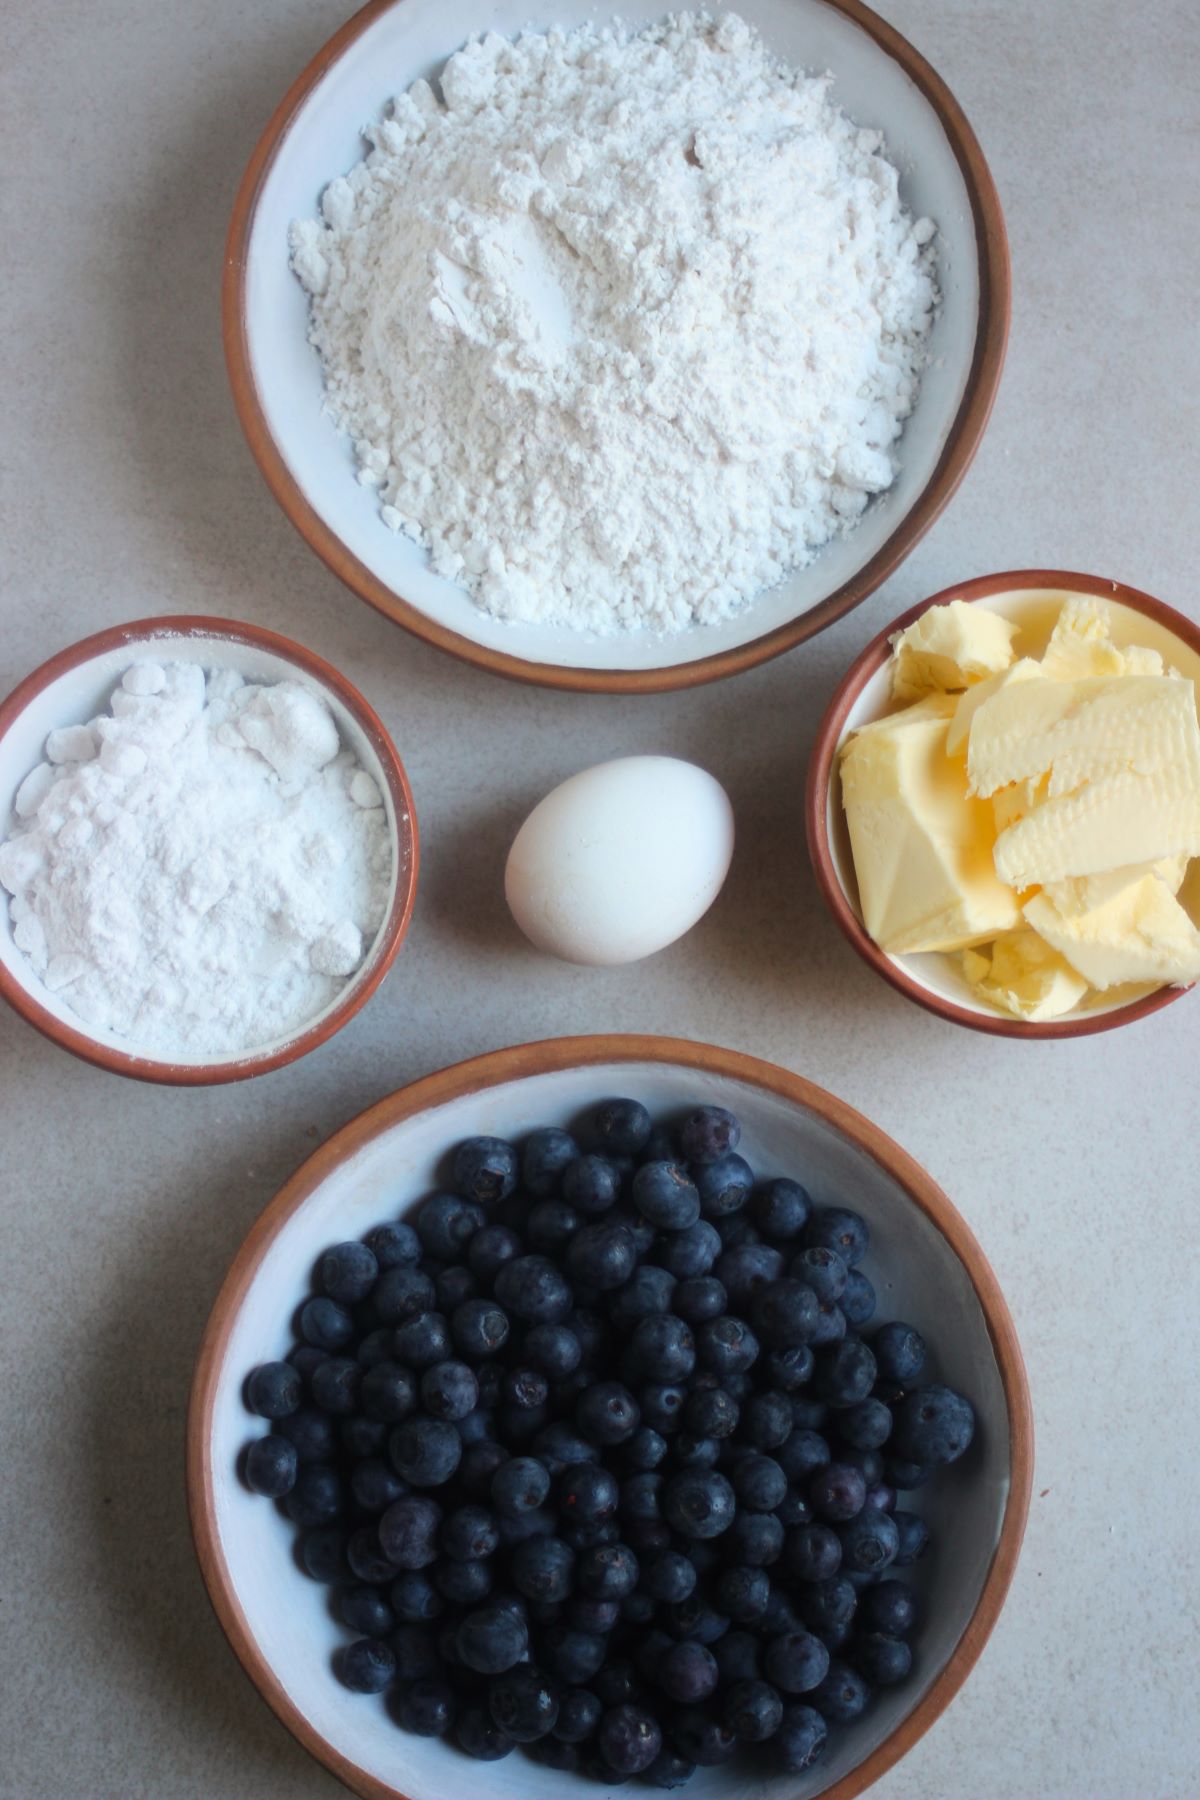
<point>83,692</point>
<point>323,140</point>
<point>1035,610</point>
<point>918,1276</point>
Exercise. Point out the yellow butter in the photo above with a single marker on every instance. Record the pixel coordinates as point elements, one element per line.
<point>1023,976</point>
<point>948,648</point>
<point>1081,893</point>
<point>1081,645</point>
<point>1013,802</point>
<point>970,702</point>
<point>922,846</point>
<point>1142,934</point>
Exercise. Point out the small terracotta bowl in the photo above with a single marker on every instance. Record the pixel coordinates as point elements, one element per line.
<point>73,687</point>
<point>1032,597</point>
<point>929,1269</point>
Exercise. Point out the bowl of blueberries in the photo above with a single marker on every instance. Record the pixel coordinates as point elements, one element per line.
<point>609,1410</point>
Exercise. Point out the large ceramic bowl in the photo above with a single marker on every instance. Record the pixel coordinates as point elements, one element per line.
<point>73,687</point>
<point>930,1270</point>
<point>314,135</point>
<point>1033,598</point>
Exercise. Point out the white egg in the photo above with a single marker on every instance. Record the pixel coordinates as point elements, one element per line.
<point>620,860</point>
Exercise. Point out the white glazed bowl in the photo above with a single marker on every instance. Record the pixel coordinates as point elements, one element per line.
<point>315,134</point>
<point>1033,598</point>
<point>75,686</point>
<point>929,1270</point>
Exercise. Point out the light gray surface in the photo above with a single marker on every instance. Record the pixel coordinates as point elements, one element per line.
<point>128,491</point>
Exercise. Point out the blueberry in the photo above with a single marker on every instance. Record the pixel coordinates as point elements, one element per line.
<point>445,1225</point>
<point>414,1599</point>
<point>687,1672</point>
<point>882,1660</point>
<point>780,1209</point>
<point>274,1390</point>
<point>793,1509</point>
<point>523,1704</point>
<point>558,1446</point>
<point>393,1244</point>
<point>304,1358</point>
<point>867,1425</point>
<point>575,1656</point>
<point>427,1708</point>
<point>737,1229</point>
<point>491,1639</point>
<point>551,1226</point>
<point>363,1609</point>
<point>408,1531</point>
<point>784,1313</point>
<point>858,1299</point>
<point>899,1352</point>
<point>311,1433</point>
<point>533,1289</point>
<point>669,1770</point>
<point>464,1583</point>
<point>490,1248</point>
<point>802,1454</point>
<point>725,1345</point>
<point>690,1252</point>
<point>543,1568</point>
<point>454,1285</point>
<point>271,1466</point>
<point>602,1255</point>
<point>843,1695</point>
<point>823,1270</point>
<point>795,1662</point>
<point>746,1269</point>
<point>838,1491</point>
<point>479,1328</point>
<point>608,1572</point>
<point>347,1272</point>
<point>620,1127</point>
<point>449,1390</point>
<point>477,1735</point>
<point>665,1194</point>
<point>826,1603</point>
<point>882,1497</point>
<point>753,1711</point>
<point>869,1463</point>
<point>648,1290</point>
<point>708,1133</point>
<point>788,1370</point>
<point>742,1593</point>
<point>701,1738</point>
<point>366,1666</point>
<point>845,1373</point>
<point>588,1493</point>
<point>668,1576</point>
<point>800,1740</point>
<point>662,1348</point>
<point>813,1553</point>
<point>754,1540</point>
<point>323,1554</point>
<point>544,1156</point>
<point>316,1498</point>
<point>933,1425</point>
<point>554,1349</point>
<point>641,1499</point>
<point>376,1347</point>
<point>335,1385</point>
<point>607,1413</point>
<point>326,1324</point>
<point>401,1293</point>
<point>699,1298</point>
<point>579,1713</point>
<point>869,1542</point>
<point>662,1406</point>
<point>723,1186</point>
<point>519,1486</point>
<point>591,1184</point>
<point>913,1535</point>
<point>469,1533</point>
<point>759,1483</point>
<point>422,1341</point>
<point>837,1228</point>
<point>594,1615</point>
<point>699,1503</point>
<point>417,1653</point>
<point>646,1449</point>
<point>484,1169</point>
<point>629,1738</point>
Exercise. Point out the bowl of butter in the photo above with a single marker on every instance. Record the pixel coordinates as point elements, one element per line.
<point>1003,804</point>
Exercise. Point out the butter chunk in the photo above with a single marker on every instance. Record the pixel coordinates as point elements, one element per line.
<point>950,647</point>
<point>1081,893</point>
<point>1025,977</point>
<point>1126,818</point>
<point>922,846</point>
<point>970,702</point>
<point>1081,731</point>
<point>1141,935</point>
<point>1013,802</point>
<point>1081,645</point>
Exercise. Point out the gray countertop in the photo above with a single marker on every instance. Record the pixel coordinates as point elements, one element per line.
<point>129,491</point>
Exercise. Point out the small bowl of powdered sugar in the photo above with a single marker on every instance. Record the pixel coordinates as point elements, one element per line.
<point>208,852</point>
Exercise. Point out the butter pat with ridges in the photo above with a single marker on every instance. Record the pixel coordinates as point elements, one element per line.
<point>1141,935</point>
<point>948,648</point>
<point>922,845</point>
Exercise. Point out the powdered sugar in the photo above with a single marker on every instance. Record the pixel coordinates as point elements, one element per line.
<point>200,869</point>
<point>626,326</point>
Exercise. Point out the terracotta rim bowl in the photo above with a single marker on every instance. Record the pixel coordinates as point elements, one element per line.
<point>107,647</point>
<point>956,445</point>
<point>823,815</point>
<point>365,1173</point>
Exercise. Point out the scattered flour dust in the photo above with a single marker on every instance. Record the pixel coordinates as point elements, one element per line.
<point>201,868</point>
<point>623,327</point>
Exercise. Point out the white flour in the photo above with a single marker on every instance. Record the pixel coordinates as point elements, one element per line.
<point>200,869</point>
<point>625,327</point>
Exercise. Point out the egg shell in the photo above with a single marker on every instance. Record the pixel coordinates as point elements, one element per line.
<point>620,860</point>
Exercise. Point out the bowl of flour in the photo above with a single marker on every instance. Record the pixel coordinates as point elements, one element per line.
<point>208,850</point>
<point>616,352</point>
